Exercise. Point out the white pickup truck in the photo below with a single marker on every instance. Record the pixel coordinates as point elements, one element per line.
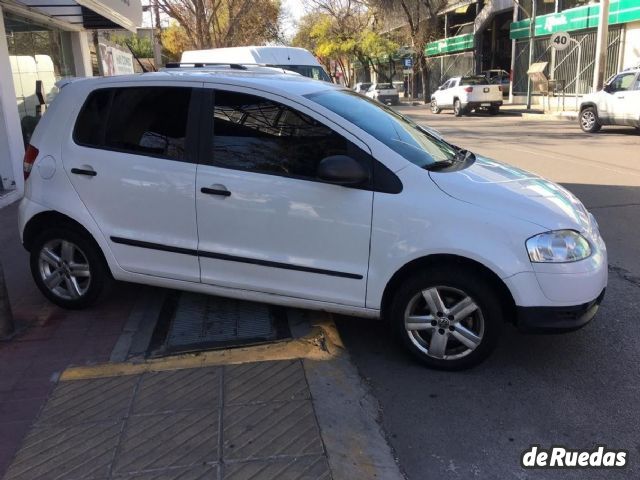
<point>465,94</point>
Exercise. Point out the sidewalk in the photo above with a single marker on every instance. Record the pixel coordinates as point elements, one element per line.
<point>518,110</point>
<point>49,339</point>
<point>289,409</point>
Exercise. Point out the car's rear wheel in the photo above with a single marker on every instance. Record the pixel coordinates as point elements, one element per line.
<point>458,111</point>
<point>434,107</point>
<point>449,318</point>
<point>68,268</point>
<point>589,120</point>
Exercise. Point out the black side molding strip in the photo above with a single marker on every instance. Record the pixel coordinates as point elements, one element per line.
<point>233,258</point>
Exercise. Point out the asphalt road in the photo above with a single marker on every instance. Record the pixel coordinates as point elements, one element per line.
<point>576,390</point>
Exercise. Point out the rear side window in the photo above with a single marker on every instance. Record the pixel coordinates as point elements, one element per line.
<point>148,121</point>
<point>477,80</point>
<point>258,135</point>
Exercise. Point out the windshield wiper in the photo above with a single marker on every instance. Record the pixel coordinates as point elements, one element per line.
<point>461,156</point>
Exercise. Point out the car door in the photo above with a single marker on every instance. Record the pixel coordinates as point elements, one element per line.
<point>447,92</point>
<point>265,223</point>
<point>632,103</point>
<point>131,163</point>
<point>441,94</point>
<point>615,100</point>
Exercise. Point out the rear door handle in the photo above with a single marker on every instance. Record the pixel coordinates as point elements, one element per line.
<point>84,171</point>
<point>216,191</point>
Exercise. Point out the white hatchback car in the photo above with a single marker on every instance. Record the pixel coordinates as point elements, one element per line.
<point>275,188</point>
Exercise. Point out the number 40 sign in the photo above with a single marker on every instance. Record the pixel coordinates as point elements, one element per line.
<point>560,40</point>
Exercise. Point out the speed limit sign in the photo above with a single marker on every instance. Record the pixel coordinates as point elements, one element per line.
<point>560,40</point>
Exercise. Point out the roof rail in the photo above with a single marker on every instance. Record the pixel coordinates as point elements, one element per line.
<point>235,66</point>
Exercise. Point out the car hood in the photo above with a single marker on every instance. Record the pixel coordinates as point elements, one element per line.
<point>515,192</point>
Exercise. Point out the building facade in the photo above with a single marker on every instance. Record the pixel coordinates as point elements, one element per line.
<point>481,35</point>
<point>42,42</point>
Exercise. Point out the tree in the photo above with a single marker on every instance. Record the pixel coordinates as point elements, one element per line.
<point>225,23</point>
<point>174,42</point>
<point>423,26</point>
<point>342,31</point>
<point>141,47</point>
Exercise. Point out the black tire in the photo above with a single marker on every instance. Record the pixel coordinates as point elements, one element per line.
<point>434,107</point>
<point>458,111</point>
<point>485,322</point>
<point>494,110</point>
<point>86,252</point>
<point>589,121</point>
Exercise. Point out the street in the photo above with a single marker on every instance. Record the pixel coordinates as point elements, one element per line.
<point>576,390</point>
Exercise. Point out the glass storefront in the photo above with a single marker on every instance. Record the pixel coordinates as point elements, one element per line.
<point>39,56</point>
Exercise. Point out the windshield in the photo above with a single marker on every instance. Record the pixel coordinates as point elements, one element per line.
<point>311,71</point>
<point>397,132</point>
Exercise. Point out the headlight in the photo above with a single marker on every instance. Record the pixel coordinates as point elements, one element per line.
<point>558,246</point>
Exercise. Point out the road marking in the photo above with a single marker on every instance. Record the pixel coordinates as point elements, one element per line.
<point>322,343</point>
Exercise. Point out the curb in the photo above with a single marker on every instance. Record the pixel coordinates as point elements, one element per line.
<point>560,116</point>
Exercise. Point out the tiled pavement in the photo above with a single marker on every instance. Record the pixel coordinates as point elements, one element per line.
<point>50,339</point>
<point>254,420</point>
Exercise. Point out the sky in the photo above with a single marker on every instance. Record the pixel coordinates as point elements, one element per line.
<point>295,9</point>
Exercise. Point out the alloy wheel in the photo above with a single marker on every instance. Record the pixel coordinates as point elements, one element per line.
<point>444,322</point>
<point>64,269</point>
<point>588,119</point>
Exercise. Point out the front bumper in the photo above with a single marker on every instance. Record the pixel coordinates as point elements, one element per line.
<point>557,319</point>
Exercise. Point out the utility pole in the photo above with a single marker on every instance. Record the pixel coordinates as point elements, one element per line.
<point>532,33</point>
<point>7,327</point>
<point>157,36</point>
<point>601,46</point>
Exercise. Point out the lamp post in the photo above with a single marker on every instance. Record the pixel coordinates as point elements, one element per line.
<point>532,33</point>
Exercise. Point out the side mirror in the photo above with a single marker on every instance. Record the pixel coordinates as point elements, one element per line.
<point>607,88</point>
<point>342,170</point>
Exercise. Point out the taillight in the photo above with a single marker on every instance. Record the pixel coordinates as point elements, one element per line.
<point>30,155</point>
<point>468,89</point>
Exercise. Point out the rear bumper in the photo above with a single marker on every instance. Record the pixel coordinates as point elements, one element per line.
<point>496,103</point>
<point>393,99</point>
<point>557,319</point>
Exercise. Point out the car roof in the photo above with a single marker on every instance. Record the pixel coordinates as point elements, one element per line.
<point>264,78</point>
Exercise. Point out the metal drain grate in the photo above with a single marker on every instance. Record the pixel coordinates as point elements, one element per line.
<point>192,322</point>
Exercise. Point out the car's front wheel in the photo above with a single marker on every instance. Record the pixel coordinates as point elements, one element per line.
<point>589,120</point>
<point>434,106</point>
<point>68,268</point>
<point>449,318</point>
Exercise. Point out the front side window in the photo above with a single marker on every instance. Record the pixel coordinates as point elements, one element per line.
<point>256,134</point>
<point>141,120</point>
<point>622,82</point>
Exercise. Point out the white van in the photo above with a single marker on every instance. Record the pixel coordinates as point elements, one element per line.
<point>296,60</point>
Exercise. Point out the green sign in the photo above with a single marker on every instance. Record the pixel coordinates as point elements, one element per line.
<point>450,45</point>
<point>620,11</point>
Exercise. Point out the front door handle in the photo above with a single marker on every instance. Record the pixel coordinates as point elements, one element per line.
<point>84,171</point>
<point>220,190</point>
<point>621,97</point>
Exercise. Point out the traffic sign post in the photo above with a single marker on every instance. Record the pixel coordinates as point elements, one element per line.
<point>560,41</point>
